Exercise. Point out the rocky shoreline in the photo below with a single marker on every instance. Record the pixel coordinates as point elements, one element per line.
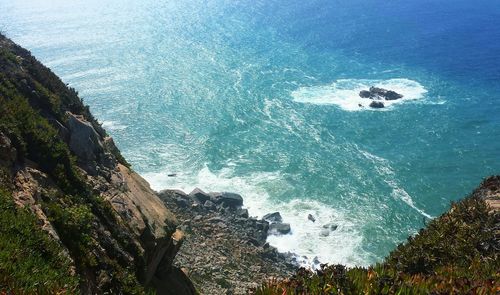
<point>225,250</point>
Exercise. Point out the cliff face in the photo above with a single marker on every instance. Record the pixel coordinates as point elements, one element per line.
<point>58,164</point>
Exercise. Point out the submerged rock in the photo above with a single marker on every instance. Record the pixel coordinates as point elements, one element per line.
<point>279,228</point>
<point>324,232</point>
<point>330,226</point>
<point>273,217</point>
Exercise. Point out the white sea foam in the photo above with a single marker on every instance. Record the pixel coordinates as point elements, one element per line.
<point>386,171</point>
<point>343,245</point>
<point>113,125</point>
<point>345,93</point>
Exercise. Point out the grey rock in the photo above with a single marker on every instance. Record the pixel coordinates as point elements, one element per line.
<point>242,213</point>
<point>377,105</point>
<point>209,205</point>
<point>231,200</point>
<point>8,153</point>
<point>380,94</point>
<point>273,217</point>
<point>365,94</point>
<point>324,232</point>
<point>199,196</point>
<point>279,228</point>
<point>181,202</point>
<point>84,141</point>
<point>330,226</point>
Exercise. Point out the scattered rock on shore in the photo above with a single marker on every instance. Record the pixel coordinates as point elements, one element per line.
<point>234,254</point>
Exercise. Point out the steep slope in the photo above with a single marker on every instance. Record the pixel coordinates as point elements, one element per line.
<point>65,187</point>
<point>457,253</point>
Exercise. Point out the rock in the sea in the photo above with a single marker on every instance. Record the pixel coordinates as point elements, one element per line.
<point>380,93</point>
<point>274,217</point>
<point>330,226</point>
<point>376,104</point>
<point>311,218</point>
<point>316,260</point>
<point>199,196</point>
<point>365,94</point>
<point>279,228</point>
<point>228,199</point>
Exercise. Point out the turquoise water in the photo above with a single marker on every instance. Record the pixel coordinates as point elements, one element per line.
<point>260,98</point>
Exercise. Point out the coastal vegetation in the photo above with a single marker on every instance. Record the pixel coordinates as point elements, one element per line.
<point>457,253</point>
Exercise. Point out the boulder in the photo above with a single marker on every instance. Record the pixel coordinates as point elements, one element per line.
<point>365,94</point>
<point>330,226</point>
<point>377,104</point>
<point>231,200</point>
<point>199,196</point>
<point>84,141</point>
<point>279,228</point>
<point>273,217</point>
<point>8,153</point>
<point>181,202</point>
<point>311,218</point>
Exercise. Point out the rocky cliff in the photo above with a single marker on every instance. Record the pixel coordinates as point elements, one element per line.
<point>58,164</point>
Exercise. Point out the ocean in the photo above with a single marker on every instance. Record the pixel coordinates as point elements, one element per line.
<point>261,98</point>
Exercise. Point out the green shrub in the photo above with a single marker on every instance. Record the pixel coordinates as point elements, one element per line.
<point>456,254</point>
<point>30,262</point>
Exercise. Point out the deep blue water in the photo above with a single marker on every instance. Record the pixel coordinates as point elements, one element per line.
<point>260,97</point>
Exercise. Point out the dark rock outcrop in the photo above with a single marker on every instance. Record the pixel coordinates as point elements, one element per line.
<point>380,94</point>
<point>377,105</point>
<point>199,196</point>
<point>232,200</point>
<point>279,228</point>
<point>274,217</point>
